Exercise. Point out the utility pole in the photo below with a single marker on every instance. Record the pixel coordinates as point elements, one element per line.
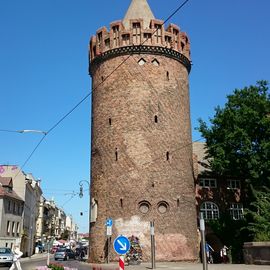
<point>81,195</point>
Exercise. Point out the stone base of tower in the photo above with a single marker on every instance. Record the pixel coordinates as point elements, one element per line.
<point>170,247</point>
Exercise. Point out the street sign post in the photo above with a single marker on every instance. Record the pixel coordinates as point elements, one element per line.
<point>202,229</point>
<point>109,224</point>
<point>153,246</point>
<point>121,245</point>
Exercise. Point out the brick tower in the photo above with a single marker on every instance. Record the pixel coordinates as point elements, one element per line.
<point>141,167</point>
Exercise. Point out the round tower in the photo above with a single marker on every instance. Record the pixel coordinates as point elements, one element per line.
<point>141,168</point>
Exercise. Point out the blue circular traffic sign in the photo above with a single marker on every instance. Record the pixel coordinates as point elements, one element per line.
<point>109,222</point>
<point>121,245</point>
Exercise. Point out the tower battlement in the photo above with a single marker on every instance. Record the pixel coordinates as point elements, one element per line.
<point>139,33</point>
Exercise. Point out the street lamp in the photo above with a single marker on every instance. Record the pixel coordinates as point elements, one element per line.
<point>81,195</point>
<point>32,131</point>
<point>25,131</point>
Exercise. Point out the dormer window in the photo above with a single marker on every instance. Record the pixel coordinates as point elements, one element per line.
<point>136,33</point>
<point>155,62</point>
<point>175,33</point>
<point>158,33</point>
<point>147,38</point>
<point>107,43</point>
<point>115,30</point>
<point>100,39</point>
<point>126,39</point>
<point>141,62</point>
<point>168,41</point>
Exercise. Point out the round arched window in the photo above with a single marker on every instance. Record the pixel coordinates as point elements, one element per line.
<point>210,210</point>
<point>163,207</point>
<point>144,207</point>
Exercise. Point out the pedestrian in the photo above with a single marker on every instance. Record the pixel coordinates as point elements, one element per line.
<point>17,254</point>
<point>208,250</point>
<point>224,254</point>
<point>82,254</point>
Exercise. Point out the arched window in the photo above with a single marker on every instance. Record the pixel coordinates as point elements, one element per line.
<point>210,210</point>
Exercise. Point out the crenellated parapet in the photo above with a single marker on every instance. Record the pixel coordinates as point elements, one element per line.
<point>139,34</point>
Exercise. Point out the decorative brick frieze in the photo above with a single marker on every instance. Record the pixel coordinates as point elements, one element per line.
<point>141,49</point>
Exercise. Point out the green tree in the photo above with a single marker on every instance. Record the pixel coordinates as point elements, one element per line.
<point>259,215</point>
<point>238,140</point>
<point>238,145</point>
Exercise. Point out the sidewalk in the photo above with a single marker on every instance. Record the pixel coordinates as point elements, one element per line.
<point>180,266</point>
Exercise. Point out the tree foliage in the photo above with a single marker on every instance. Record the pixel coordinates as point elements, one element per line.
<point>238,145</point>
<point>238,141</point>
<point>259,215</point>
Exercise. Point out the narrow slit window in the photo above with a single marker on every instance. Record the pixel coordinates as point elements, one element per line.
<point>110,121</point>
<point>178,202</point>
<point>167,155</point>
<point>182,45</point>
<point>121,203</point>
<point>116,154</point>
<point>168,75</point>
<point>156,119</point>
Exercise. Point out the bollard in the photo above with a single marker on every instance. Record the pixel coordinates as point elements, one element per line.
<point>121,263</point>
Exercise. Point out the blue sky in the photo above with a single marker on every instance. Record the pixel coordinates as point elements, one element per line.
<point>44,73</point>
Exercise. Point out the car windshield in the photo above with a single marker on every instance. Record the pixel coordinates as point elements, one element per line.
<point>5,250</point>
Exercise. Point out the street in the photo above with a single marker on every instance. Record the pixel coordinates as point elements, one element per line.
<point>41,260</point>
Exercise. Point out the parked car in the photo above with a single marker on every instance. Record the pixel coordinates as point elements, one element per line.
<point>64,254</point>
<point>6,256</point>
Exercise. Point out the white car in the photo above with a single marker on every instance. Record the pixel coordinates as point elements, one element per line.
<point>6,256</point>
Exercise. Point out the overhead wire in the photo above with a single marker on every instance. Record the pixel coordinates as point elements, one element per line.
<point>88,95</point>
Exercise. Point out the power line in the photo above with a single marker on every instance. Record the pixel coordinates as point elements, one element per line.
<point>7,130</point>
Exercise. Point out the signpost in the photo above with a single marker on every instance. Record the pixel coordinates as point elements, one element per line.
<point>109,224</point>
<point>202,229</point>
<point>153,252</point>
<point>121,246</point>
